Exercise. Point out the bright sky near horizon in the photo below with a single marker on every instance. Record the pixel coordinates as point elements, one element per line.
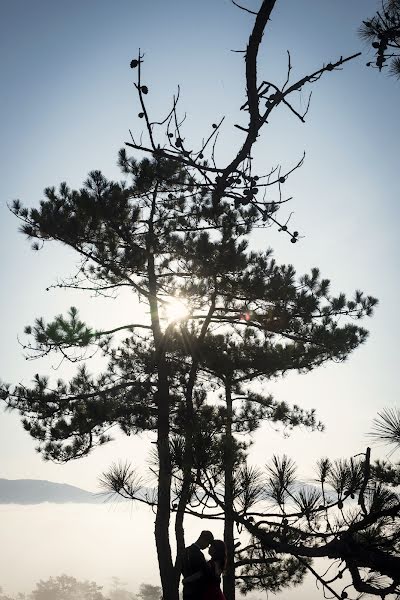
<point>66,106</point>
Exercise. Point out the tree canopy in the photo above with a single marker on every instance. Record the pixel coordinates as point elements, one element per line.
<point>65,587</point>
<point>382,31</point>
<point>176,234</point>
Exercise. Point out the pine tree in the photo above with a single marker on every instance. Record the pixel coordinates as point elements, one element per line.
<point>149,592</point>
<point>383,32</point>
<point>386,429</point>
<point>348,516</point>
<point>129,236</point>
<point>65,587</point>
<point>178,229</point>
<point>280,324</point>
<point>118,591</point>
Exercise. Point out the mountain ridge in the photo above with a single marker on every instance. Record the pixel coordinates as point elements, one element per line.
<point>38,491</point>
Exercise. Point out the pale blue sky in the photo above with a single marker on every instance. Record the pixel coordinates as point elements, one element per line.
<point>66,105</point>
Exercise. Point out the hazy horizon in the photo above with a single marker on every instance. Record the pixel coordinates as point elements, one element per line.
<point>113,539</point>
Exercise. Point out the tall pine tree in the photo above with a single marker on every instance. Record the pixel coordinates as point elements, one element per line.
<point>178,230</point>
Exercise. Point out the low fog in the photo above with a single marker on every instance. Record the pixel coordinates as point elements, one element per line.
<point>90,542</point>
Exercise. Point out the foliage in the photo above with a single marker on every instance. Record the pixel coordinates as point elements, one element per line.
<point>177,228</point>
<point>270,573</point>
<point>348,515</point>
<point>386,429</point>
<point>4,596</point>
<point>387,473</point>
<point>65,587</point>
<point>149,592</point>
<point>383,32</point>
<point>118,591</point>
<point>275,321</point>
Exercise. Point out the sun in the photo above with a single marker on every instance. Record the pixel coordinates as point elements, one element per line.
<point>176,309</point>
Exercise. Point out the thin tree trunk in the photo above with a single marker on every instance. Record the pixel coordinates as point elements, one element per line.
<point>188,454</point>
<point>229,577</point>
<point>168,577</point>
<point>161,530</point>
<point>186,468</point>
<point>179,520</point>
<point>186,471</point>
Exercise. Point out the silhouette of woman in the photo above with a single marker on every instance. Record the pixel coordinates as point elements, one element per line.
<point>208,582</point>
<point>216,566</point>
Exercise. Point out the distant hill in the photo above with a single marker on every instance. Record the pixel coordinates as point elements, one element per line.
<point>36,491</point>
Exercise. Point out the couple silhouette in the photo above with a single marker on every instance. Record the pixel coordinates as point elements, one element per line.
<point>201,578</point>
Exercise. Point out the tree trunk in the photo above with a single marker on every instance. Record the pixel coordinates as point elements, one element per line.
<point>168,578</point>
<point>189,449</point>
<point>179,520</point>
<point>229,577</point>
<point>186,467</point>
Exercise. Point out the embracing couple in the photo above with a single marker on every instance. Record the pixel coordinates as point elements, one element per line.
<point>201,578</point>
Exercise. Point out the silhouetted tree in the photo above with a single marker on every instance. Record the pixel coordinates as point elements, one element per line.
<point>178,229</point>
<point>149,592</point>
<point>348,517</point>
<point>4,596</point>
<point>65,587</point>
<point>386,429</point>
<point>118,591</point>
<point>285,325</point>
<point>383,32</point>
<point>152,238</point>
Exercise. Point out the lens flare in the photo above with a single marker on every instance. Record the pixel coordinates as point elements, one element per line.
<point>176,310</point>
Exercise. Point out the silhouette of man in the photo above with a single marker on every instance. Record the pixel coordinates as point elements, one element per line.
<point>193,562</point>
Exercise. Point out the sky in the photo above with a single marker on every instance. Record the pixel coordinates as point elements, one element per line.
<point>66,106</point>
